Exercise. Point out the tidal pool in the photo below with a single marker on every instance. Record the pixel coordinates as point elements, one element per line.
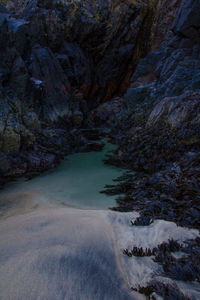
<point>59,241</point>
<point>76,182</point>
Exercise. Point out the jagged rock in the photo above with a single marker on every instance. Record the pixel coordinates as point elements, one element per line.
<point>46,68</point>
<point>68,64</point>
<point>31,121</point>
<point>19,76</point>
<point>3,9</point>
<point>109,114</point>
<point>77,66</point>
<point>175,111</point>
<point>187,22</point>
<point>5,164</point>
<point>61,59</point>
<point>10,141</point>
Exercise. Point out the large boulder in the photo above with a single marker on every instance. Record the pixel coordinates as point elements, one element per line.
<point>176,111</point>
<point>10,141</point>
<point>46,68</point>
<point>3,9</point>
<point>187,22</point>
<point>77,65</point>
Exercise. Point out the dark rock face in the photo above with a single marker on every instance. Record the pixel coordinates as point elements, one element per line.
<point>100,36</point>
<point>48,75</point>
<point>157,126</point>
<point>62,60</point>
<point>58,60</point>
<point>131,68</point>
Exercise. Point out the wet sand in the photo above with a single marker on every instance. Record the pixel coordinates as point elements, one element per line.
<point>68,253</point>
<point>60,254</point>
<point>53,247</point>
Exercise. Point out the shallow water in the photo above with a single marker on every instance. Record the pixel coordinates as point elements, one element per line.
<point>75,182</point>
<point>60,242</point>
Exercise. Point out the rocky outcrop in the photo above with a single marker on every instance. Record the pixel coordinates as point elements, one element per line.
<point>62,60</point>
<point>58,60</point>
<point>130,68</point>
<point>158,125</point>
<point>112,34</point>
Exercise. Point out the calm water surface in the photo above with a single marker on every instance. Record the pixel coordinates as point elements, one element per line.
<point>75,182</point>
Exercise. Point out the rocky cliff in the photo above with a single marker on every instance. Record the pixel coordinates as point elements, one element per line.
<point>60,59</point>
<point>157,125</point>
<point>130,66</point>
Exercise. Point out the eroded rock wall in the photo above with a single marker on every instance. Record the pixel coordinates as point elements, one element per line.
<point>157,125</point>
<point>58,60</point>
<point>61,59</point>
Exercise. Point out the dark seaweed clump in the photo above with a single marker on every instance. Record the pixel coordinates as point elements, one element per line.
<point>167,291</point>
<point>184,268</point>
<point>171,192</point>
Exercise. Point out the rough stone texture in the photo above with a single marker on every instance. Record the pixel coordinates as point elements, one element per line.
<point>176,111</point>
<point>157,126</point>
<point>131,68</point>
<point>61,59</point>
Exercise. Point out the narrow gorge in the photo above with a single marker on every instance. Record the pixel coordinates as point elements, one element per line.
<point>99,149</point>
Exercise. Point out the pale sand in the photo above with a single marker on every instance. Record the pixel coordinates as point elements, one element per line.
<point>60,254</point>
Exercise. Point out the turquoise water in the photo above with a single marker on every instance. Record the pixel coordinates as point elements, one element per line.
<point>59,241</point>
<point>76,182</point>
